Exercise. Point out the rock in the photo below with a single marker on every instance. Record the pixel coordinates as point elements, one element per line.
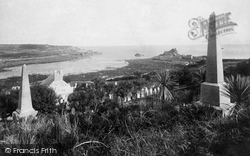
<point>170,53</point>
<point>138,55</point>
<point>90,52</point>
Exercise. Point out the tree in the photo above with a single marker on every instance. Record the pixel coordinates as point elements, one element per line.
<point>183,76</point>
<point>90,97</point>
<point>164,82</point>
<point>8,103</point>
<point>43,99</point>
<point>243,68</point>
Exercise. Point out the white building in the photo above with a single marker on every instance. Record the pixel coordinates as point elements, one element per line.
<point>56,82</point>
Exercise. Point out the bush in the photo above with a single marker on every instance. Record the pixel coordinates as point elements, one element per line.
<point>8,103</point>
<point>43,99</point>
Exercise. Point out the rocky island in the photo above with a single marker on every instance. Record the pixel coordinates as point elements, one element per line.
<point>138,55</point>
<point>173,56</point>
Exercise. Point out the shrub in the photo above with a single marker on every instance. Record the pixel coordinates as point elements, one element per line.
<point>8,103</point>
<point>43,99</point>
<point>237,88</point>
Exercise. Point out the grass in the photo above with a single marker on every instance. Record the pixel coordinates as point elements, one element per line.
<point>190,130</point>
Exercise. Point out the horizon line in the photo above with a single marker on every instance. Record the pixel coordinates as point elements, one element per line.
<point>112,45</point>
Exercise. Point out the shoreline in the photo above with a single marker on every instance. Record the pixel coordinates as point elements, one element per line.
<point>12,71</point>
<point>14,55</point>
<point>134,65</point>
<point>6,69</point>
<point>143,65</point>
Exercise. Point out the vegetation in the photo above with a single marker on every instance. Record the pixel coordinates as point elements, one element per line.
<point>172,123</point>
<point>233,67</point>
<point>115,130</point>
<point>44,99</point>
<point>8,103</point>
<point>164,82</point>
<point>237,88</point>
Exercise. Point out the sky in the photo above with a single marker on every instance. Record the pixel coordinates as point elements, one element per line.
<point>115,22</point>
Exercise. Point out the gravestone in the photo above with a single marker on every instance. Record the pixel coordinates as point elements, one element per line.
<point>25,107</point>
<point>129,96</point>
<point>158,90</point>
<point>142,93</point>
<point>138,94</point>
<point>146,91</point>
<point>211,89</point>
<point>111,96</point>
<point>150,91</point>
<point>154,90</point>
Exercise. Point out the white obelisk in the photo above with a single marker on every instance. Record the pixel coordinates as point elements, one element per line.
<point>25,107</point>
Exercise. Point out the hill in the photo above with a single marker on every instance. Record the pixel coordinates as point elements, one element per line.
<point>17,54</point>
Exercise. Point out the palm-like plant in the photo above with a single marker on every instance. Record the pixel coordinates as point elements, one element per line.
<point>237,88</point>
<point>200,75</point>
<point>164,82</point>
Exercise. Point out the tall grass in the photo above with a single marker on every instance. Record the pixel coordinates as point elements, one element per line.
<point>151,142</point>
<point>54,132</point>
<point>134,131</point>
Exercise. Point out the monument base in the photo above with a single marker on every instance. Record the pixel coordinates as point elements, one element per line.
<point>211,94</point>
<point>20,114</point>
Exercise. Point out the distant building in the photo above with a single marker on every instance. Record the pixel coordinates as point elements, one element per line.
<point>56,82</point>
<point>187,57</point>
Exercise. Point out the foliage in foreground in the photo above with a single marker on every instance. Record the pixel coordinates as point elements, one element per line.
<point>237,88</point>
<point>97,126</point>
<point>169,130</point>
<point>44,100</point>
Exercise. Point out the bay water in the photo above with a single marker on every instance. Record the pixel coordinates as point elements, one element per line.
<point>116,56</point>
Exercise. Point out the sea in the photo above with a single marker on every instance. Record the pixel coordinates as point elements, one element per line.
<point>115,57</point>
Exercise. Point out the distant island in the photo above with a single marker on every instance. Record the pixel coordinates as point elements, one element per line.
<point>12,55</point>
<point>173,56</point>
<point>138,55</point>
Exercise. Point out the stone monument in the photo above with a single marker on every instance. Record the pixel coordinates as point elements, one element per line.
<point>212,87</point>
<point>25,107</point>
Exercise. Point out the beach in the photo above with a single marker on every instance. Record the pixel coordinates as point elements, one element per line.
<point>133,65</point>
<point>69,67</point>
